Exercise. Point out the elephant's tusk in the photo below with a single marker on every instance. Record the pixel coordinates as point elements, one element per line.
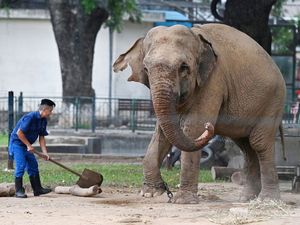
<point>201,141</point>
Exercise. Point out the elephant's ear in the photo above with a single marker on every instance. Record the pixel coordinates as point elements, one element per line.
<point>207,60</point>
<point>134,57</point>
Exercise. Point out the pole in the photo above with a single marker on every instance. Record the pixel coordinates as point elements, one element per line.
<point>20,106</point>
<point>76,113</point>
<point>94,114</point>
<point>10,161</point>
<point>110,75</point>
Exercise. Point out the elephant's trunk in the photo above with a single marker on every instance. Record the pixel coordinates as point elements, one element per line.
<point>164,101</point>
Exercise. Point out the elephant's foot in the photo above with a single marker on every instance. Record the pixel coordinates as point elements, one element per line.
<point>152,190</point>
<point>249,193</point>
<point>185,197</point>
<point>269,194</point>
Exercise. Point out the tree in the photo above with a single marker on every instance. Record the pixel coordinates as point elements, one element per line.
<point>76,24</point>
<point>248,16</point>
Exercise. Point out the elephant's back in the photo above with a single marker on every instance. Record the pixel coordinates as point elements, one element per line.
<point>251,76</point>
<point>242,58</point>
<point>230,42</point>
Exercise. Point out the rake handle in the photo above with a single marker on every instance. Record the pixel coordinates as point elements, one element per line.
<point>57,163</point>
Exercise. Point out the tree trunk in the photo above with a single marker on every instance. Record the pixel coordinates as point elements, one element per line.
<point>248,16</point>
<point>75,33</point>
<point>7,189</point>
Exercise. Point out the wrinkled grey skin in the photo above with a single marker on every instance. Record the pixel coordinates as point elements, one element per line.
<point>209,73</point>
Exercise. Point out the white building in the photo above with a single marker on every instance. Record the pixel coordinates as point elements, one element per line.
<point>29,60</point>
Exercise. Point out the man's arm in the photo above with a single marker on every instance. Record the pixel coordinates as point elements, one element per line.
<point>23,138</point>
<point>42,141</point>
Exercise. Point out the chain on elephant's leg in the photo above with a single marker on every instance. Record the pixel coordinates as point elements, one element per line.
<point>153,183</point>
<point>152,190</point>
<point>157,150</point>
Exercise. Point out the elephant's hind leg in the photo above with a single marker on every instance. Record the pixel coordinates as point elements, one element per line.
<point>157,150</point>
<point>251,173</point>
<point>264,144</point>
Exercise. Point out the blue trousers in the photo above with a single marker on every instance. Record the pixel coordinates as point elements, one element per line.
<point>25,160</point>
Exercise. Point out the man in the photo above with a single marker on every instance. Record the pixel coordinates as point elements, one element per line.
<point>30,127</point>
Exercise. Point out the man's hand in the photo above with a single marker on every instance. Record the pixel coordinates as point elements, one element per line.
<point>45,153</point>
<point>46,156</point>
<point>30,148</point>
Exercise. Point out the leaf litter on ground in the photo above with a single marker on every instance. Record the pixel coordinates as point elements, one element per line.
<point>255,211</point>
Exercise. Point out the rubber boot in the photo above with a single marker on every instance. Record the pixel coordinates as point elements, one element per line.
<point>20,191</point>
<point>37,187</point>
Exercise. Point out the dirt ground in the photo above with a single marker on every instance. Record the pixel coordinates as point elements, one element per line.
<point>219,205</point>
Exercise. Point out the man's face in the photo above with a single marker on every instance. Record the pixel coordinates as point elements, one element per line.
<point>47,111</point>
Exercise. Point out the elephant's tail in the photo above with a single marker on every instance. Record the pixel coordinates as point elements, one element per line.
<point>282,141</point>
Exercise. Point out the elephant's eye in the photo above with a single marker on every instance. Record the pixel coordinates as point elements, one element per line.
<point>184,69</point>
<point>146,70</point>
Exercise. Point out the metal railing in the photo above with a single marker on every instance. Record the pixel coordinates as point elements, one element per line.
<point>85,113</point>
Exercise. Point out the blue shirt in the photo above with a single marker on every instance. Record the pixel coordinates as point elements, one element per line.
<point>32,125</point>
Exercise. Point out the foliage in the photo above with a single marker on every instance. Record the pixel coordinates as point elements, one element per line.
<point>89,5</point>
<point>116,10</point>
<point>282,40</point>
<point>277,8</point>
<point>3,139</point>
<point>120,175</point>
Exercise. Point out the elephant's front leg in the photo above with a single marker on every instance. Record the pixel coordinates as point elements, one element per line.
<point>190,165</point>
<point>157,150</point>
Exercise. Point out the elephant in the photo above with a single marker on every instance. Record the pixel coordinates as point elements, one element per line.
<point>213,74</point>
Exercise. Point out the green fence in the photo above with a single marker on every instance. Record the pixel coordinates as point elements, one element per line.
<point>85,113</point>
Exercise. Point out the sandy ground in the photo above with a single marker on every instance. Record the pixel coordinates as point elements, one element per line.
<point>219,205</point>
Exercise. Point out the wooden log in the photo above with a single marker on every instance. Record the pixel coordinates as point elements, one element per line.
<point>237,178</point>
<point>223,173</point>
<point>62,190</point>
<point>78,191</point>
<point>84,192</point>
<point>7,189</point>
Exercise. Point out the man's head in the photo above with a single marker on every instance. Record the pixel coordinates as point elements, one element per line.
<point>46,107</point>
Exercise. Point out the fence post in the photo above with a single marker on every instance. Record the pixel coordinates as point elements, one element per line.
<point>76,113</point>
<point>133,116</point>
<point>10,161</point>
<point>93,114</point>
<point>20,106</point>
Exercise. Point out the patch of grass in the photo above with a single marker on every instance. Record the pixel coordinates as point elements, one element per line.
<point>3,139</point>
<point>120,175</point>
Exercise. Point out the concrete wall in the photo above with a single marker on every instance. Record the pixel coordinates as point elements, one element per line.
<point>135,145</point>
<point>292,151</point>
<point>29,60</point>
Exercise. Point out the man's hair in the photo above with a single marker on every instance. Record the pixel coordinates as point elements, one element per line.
<point>42,107</point>
<point>48,102</point>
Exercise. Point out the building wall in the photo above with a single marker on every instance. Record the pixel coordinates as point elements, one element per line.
<point>123,42</point>
<point>29,60</point>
